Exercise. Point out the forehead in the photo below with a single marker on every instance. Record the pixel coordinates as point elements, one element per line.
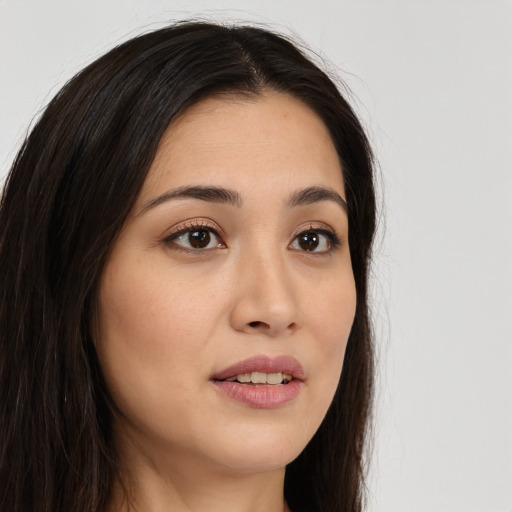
<point>271,139</point>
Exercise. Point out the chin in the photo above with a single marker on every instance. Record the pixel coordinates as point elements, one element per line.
<point>261,462</point>
<point>261,451</point>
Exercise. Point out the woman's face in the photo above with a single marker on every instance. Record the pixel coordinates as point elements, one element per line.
<point>234,265</point>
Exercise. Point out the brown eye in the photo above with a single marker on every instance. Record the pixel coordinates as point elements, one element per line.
<point>319,241</point>
<point>199,239</point>
<point>309,241</point>
<point>195,238</point>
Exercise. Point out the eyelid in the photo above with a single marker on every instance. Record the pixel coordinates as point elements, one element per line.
<point>334,239</point>
<point>321,227</point>
<point>194,223</point>
<point>205,224</point>
<point>191,225</point>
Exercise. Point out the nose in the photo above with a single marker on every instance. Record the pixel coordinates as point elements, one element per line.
<point>265,297</point>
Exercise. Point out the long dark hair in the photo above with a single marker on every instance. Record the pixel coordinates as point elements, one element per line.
<point>66,198</point>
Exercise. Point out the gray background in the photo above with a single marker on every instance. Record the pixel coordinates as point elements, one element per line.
<point>433,82</point>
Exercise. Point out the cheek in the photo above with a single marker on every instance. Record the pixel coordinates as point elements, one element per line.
<point>149,339</point>
<point>147,312</point>
<point>331,313</point>
<point>331,319</point>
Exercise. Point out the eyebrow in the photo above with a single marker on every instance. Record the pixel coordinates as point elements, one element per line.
<point>211,194</point>
<point>309,195</point>
<point>312,195</point>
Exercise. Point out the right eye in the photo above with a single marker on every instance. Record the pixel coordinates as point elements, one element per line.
<point>195,238</point>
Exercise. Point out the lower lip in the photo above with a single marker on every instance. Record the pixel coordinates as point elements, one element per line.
<point>260,396</point>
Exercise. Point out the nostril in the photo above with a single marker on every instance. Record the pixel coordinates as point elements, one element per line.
<point>259,324</point>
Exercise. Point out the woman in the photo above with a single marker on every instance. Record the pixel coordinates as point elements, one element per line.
<point>185,241</point>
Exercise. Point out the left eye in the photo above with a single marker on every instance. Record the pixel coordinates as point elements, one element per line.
<point>196,238</point>
<point>313,241</point>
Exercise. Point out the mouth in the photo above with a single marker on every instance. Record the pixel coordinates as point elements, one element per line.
<point>263,370</point>
<point>273,378</point>
<point>262,382</point>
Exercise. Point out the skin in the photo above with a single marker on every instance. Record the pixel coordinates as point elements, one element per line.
<point>171,316</point>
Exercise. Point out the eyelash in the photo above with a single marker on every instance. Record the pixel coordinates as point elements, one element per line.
<point>333,239</point>
<point>189,228</point>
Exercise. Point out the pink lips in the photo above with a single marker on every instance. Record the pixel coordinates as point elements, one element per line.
<point>262,396</point>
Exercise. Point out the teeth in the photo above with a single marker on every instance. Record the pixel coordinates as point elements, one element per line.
<point>262,378</point>
<point>274,378</point>
<point>258,378</point>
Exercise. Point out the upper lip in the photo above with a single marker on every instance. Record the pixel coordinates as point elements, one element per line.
<point>263,364</point>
